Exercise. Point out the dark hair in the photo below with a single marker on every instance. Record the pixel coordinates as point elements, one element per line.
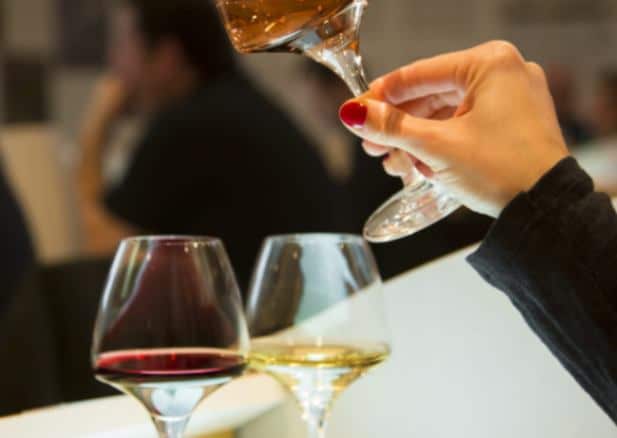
<point>196,27</point>
<point>608,83</point>
<point>608,86</point>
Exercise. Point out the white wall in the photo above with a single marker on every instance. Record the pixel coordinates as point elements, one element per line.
<point>394,32</point>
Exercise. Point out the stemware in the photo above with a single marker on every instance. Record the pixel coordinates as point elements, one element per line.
<point>170,328</point>
<point>327,31</point>
<point>316,315</point>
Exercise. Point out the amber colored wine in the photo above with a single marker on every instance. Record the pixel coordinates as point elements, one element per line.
<point>316,372</point>
<point>271,25</point>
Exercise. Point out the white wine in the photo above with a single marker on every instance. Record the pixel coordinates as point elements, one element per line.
<point>316,373</point>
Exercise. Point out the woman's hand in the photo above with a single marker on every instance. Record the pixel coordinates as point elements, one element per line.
<point>479,121</point>
<point>108,101</point>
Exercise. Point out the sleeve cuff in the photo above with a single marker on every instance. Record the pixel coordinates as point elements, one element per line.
<point>559,188</point>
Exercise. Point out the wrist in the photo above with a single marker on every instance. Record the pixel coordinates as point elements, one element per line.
<point>562,185</point>
<point>563,180</point>
<point>532,175</point>
<point>543,167</point>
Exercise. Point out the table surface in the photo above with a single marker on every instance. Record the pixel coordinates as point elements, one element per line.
<point>465,364</point>
<point>122,417</point>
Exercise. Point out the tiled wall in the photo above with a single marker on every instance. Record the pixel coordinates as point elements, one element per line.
<point>44,43</point>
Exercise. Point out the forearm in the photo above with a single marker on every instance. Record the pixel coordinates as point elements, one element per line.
<point>101,230</point>
<point>553,252</point>
<point>93,140</point>
<point>108,100</point>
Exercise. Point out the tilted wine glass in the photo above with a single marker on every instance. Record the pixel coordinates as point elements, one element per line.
<point>328,32</point>
<point>170,328</point>
<point>315,311</point>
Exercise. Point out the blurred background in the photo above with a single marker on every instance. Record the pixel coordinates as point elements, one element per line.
<point>53,52</point>
<point>53,56</point>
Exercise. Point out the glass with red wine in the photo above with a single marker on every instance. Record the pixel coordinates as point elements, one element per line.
<point>327,31</point>
<point>170,329</point>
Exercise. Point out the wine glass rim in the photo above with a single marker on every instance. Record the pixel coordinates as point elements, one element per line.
<point>174,239</point>
<point>317,237</point>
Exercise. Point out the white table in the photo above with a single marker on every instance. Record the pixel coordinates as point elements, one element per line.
<point>464,365</point>
<point>123,417</point>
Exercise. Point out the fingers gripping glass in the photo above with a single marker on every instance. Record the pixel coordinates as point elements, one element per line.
<point>170,328</point>
<point>316,315</point>
<point>328,32</point>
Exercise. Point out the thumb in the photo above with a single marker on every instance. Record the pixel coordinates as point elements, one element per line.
<point>384,124</point>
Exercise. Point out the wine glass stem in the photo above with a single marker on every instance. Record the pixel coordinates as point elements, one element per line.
<point>316,431</point>
<point>316,421</point>
<point>352,71</point>
<point>170,427</point>
<point>346,63</point>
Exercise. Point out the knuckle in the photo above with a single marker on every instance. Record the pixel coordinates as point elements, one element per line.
<point>433,135</point>
<point>393,123</point>
<point>504,53</point>
<point>379,87</point>
<point>389,87</point>
<point>536,71</point>
<point>388,167</point>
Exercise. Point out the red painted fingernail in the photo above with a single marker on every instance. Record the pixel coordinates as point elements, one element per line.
<point>354,114</point>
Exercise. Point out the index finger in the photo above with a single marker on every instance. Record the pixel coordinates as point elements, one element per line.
<point>440,74</point>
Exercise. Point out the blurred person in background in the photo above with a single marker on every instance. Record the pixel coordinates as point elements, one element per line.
<point>172,60</point>
<point>17,260</point>
<point>604,110</point>
<point>599,159</point>
<point>563,88</point>
<point>324,93</point>
<point>366,186</point>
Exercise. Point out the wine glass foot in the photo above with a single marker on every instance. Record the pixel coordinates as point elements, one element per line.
<point>409,211</point>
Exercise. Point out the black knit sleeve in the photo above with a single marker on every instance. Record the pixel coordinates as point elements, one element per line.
<point>553,251</point>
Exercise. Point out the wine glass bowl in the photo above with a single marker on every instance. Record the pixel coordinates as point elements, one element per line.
<point>170,328</point>
<point>258,26</point>
<point>316,315</point>
<point>327,31</point>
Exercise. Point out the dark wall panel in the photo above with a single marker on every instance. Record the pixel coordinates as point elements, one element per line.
<point>25,82</point>
<point>82,27</point>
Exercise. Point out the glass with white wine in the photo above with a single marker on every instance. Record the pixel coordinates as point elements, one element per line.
<point>316,315</point>
<point>328,32</point>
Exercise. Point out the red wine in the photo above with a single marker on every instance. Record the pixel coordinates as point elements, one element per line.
<point>150,366</point>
